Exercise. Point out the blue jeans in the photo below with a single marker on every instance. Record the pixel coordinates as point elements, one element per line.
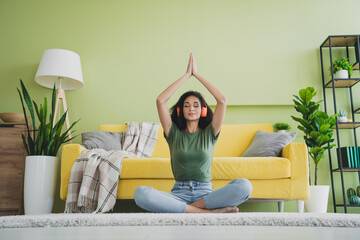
<point>187,192</point>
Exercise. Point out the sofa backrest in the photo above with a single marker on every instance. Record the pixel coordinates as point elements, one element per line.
<point>161,149</point>
<point>234,139</point>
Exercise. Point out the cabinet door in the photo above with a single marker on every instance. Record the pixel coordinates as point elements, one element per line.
<point>12,158</point>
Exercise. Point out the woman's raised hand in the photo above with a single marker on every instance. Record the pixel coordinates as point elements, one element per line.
<point>189,71</point>
<point>194,69</point>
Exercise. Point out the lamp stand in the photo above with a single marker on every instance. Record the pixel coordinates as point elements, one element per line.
<point>60,94</point>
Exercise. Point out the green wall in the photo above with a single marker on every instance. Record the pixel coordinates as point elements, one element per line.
<point>259,53</point>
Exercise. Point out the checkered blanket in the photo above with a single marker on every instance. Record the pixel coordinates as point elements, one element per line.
<point>95,174</point>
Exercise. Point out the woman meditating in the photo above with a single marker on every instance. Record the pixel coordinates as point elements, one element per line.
<point>191,131</point>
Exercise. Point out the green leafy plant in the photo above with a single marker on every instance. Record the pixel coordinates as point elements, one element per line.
<point>342,64</point>
<point>282,126</point>
<point>48,137</point>
<point>317,125</point>
<point>342,113</point>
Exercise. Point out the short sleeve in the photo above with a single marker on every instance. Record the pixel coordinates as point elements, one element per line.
<point>211,132</point>
<point>170,137</point>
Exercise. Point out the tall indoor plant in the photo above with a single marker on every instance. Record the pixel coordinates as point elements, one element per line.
<point>318,129</point>
<point>41,143</point>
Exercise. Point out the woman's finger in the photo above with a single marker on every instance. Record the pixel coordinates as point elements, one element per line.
<point>189,67</point>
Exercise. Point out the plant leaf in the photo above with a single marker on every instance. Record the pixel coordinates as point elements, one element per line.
<point>28,102</point>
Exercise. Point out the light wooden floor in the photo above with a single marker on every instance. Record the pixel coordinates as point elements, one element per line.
<point>180,232</point>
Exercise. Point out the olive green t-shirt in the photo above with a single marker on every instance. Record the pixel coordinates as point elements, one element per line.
<point>191,153</point>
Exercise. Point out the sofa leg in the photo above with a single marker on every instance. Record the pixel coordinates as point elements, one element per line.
<point>281,206</point>
<point>300,206</point>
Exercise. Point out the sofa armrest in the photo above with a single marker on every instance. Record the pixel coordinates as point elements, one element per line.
<point>298,156</point>
<point>70,152</point>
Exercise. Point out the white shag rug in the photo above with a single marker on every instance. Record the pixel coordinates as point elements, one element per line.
<point>171,219</point>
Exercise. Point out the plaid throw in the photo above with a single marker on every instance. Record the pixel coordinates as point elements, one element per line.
<point>95,174</point>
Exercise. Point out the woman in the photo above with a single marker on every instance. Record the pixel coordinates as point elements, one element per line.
<point>191,131</point>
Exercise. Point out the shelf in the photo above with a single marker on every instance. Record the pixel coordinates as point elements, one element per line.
<point>343,82</point>
<point>350,42</point>
<point>347,170</point>
<point>356,66</point>
<point>348,125</point>
<point>340,41</point>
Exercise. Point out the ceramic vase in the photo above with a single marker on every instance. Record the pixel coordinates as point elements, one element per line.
<point>40,184</point>
<point>318,200</point>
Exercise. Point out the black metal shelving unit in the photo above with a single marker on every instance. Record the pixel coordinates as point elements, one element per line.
<point>347,42</point>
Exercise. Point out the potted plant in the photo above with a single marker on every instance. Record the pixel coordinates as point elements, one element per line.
<point>41,143</point>
<point>342,116</point>
<point>342,68</point>
<point>282,127</point>
<point>318,130</point>
<point>353,196</point>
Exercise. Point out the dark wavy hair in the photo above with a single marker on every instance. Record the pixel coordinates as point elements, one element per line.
<point>180,121</point>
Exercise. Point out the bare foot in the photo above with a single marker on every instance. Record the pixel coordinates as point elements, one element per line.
<point>225,210</point>
<point>192,209</point>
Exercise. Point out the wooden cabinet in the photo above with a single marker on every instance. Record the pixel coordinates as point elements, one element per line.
<point>12,164</point>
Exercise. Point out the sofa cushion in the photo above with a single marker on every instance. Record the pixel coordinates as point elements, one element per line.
<point>146,168</point>
<point>254,168</point>
<point>102,139</point>
<point>222,168</point>
<point>267,144</point>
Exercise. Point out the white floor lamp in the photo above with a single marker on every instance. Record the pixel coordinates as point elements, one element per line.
<point>62,68</point>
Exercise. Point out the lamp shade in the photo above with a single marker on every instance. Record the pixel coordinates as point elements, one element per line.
<point>60,63</point>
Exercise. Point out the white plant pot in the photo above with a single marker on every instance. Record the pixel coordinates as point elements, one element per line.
<point>342,119</point>
<point>40,184</point>
<point>342,74</point>
<point>281,131</point>
<point>318,200</point>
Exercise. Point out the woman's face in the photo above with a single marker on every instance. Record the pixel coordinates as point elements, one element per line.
<point>192,108</point>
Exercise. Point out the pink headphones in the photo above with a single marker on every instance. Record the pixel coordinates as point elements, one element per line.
<point>203,111</point>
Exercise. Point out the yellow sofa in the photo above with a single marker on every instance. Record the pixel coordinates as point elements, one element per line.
<point>273,178</point>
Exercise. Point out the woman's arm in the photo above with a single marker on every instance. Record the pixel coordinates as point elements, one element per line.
<point>162,99</point>
<point>221,101</point>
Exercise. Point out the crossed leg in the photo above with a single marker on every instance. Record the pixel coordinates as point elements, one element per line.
<point>224,199</point>
<point>200,207</point>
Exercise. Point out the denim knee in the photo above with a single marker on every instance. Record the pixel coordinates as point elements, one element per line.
<point>244,188</point>
<point>140,195</point>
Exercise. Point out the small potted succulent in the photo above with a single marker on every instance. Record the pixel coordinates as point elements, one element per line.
<point>342,68</point>
<point>282,127</point>
<point>354,196</point>
<point>342,116</point>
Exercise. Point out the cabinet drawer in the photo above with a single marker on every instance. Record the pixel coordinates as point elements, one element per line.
<point>8,212</point>
<point>12,159</point>
<point>10,197</point>
<point>11,182</point>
